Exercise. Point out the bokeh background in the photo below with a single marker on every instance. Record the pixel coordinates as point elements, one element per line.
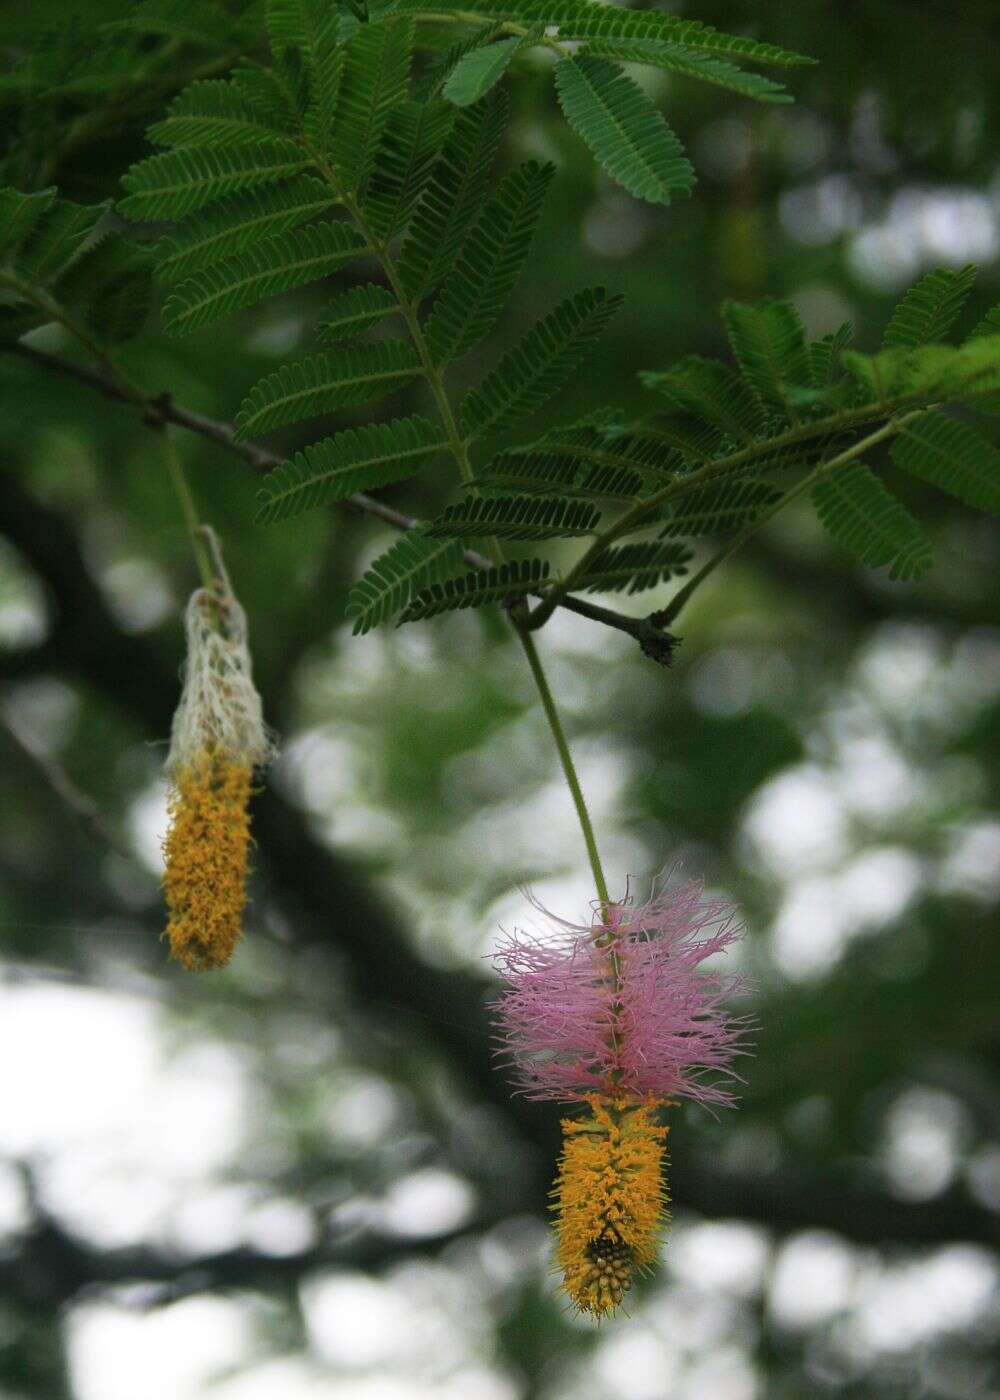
<point>301,1177</point>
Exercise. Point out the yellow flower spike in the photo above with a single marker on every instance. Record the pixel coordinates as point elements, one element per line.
<point>206,860</point>
<point>610,1201</point>
<point>218,738</point>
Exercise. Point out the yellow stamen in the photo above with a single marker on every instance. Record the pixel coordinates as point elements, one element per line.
<point>206,859</point>
<point>610,1200</point>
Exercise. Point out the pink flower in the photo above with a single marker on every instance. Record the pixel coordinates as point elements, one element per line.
<point>623,1007</point>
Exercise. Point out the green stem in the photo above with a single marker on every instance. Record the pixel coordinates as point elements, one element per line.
<point>566,759</point>
<point>176,473</point>
<point>670,612</point>
<point>408,309</point>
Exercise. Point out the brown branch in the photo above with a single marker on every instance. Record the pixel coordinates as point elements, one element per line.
<point>156,410</point>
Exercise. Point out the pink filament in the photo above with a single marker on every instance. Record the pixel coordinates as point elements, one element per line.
<point>624,1007</point>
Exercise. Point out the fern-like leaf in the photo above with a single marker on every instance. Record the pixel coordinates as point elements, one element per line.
<point>896,377</point>
<point>718,508</point>
<point>323,383</point>
<point>929,310</point>
<point>584,19</point>
<point>824,355</point>
<point>290,259</point>
<point>490,264</point>
<point>355,311</point>
<point>414,135</point>
<point>270,96</point>
<point>358,459</point>
<point>633,568</point>
<point>515,518</point>
<point>952,456</point>
<point>623,129</point>
<point>57,239</point>
<point>19,213</point>
<point>375,78</point>
<point>235,225</point>
<point>770,347</point>
<point>613,448</point>
<point>538,367</point>
<point>192,21</point>
<point>711,391</point>
<point>210,113</point>
<point>691,64</point>
<point>989,325</point>
<point>413,563</point>
<point>501,584</point>
<point>860,514</point>
<point>569,474</point>
<point>453,195</point>
<point>109,289</point>
<point>179,182</point>
<point>310,26</point>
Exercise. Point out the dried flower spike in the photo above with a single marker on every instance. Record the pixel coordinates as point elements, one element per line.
<point>622,1016</point>
<point>218,738</point>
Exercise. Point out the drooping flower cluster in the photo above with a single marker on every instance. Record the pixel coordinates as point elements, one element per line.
<point>218,738</point>
<point>623,1016</point>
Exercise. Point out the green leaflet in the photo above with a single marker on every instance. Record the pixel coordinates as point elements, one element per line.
<point>770,347</point>
<point>718,508</point>
<point>860,514</point>
<point>290,259</point>
<point>515,518</point>
<point>623,129</point>
<point>355,311</point>
<point>478,70</point>
<point>953,456</point>
<point>501,584</point>
<point>453,195</point>
<point>671,57</point>
<point>211,113</point>
<point>493,255</point>
<point>323,383</point>
<point>358,459</point>
<point>536,368</point>
<point>376,73</point>
<point>413,563</point>
<point>177,183</point>
<point>930,309</point>
<point>635,567</point>
<point>234,225</point>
